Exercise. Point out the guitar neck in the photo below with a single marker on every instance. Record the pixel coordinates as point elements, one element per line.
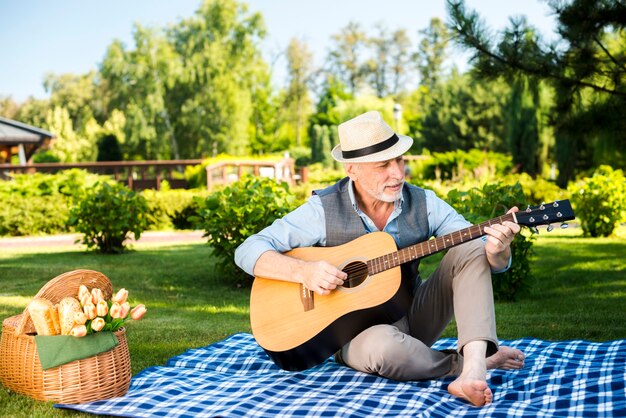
<point>432,246</point>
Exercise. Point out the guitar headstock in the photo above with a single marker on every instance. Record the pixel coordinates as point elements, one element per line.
<point>546,214</point>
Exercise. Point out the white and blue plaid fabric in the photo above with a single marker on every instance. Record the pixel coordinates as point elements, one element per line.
<point>235,378</point>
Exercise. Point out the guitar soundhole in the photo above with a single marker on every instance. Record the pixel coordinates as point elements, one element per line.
<point>357,273</point>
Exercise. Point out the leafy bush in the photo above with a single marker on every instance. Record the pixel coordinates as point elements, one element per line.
<point>600,201</point>
<point>107,214</point>
<point>66,183</point>
<point>458,165</point>
<point>33,215</point>
<point>492,200</point>
<point>318,174</point>
<point>537,190</point>
<point>171,208</point>
<point>45,157</point>
<point>233,214</point>
<point>38,203</point>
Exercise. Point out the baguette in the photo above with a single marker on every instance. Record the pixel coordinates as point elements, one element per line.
<point>42,313</point>
<point>68,307</point>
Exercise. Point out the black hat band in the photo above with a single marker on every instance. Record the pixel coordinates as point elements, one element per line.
<point>372,149</point>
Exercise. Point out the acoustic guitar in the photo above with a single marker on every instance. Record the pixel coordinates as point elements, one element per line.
<point>299,329</point>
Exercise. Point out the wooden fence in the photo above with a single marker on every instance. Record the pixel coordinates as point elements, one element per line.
<point>140,175</point>
<point>137,175</point>
<point>228,171</point>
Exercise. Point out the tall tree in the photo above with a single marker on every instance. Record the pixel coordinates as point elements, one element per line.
<point>300,72</point>
<point>8,107</point>
<point>522,125</point>
<point>400,61</point>
<point>586,67</point>
<point>346,56</point>
<point>139,82</point>
<point>432,52</point>
<point>388,63</point>
<point>463,114</point>
<point>220,56</point>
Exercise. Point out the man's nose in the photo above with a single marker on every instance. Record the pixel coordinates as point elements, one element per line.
<point>397,169</point>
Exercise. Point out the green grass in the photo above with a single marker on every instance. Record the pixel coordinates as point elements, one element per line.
<point>578,293</point>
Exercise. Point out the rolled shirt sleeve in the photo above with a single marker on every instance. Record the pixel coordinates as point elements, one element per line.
<point>303,227</point>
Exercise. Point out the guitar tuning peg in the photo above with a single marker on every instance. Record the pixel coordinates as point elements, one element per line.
<point>528,209</point>
<point>556,204</point>
<point>534,230</point>
<point>543,205</point>
<point>549,228</point>
<point>564,225</point>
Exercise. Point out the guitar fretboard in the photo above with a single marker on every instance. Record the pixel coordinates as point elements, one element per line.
<point>432,246</point>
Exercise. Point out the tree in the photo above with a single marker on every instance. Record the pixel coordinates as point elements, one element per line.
<point>387,66</point>
<point>345,59</point>
<point>8,107</point>
<point>220,58</point>
<point>109,149</point>
<point>300,71</point>
<point>69,145</point>
<point>400,60</point>
<point>586,67</point>
<point>265,121</point>
<point>432,52</point>
<point>527,135</point>
<point>463,114</point>
<point>139,81</point>
<point>333,91</point>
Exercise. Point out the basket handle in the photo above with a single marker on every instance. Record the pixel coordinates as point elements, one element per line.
<point>64,285</point>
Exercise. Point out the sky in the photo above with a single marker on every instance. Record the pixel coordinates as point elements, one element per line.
<point>71,36</point>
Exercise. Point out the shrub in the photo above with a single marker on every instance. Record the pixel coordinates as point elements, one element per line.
<point>233,214</point>
<point>32,215</point>
<point>600,201</point>
<point>38,203</point>
<point>537,190</point>
<point>318,174</point>
<point>107,214</point>
<point>492,200</point>
<point>45,157</point>
<point>458,165</point>
<point>66,183</point>
<point>171,208</point>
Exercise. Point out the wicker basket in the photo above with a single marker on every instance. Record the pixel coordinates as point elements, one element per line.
<point>102,376</point>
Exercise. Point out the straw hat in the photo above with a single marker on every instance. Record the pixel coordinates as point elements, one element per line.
<point>367,138</point>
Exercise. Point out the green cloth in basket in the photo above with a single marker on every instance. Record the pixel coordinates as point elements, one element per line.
<point>56,350</point>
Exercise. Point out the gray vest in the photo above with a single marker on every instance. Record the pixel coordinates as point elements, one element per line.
<point>343,224</point>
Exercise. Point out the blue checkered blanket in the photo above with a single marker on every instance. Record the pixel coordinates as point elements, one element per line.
<point>235,378</point>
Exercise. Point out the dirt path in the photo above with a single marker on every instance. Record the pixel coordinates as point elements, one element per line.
<point>69,239</point>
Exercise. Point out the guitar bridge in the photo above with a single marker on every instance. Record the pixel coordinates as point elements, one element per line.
<point>306,296</point>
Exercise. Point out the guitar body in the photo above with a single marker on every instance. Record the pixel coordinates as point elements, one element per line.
<point>297,338</point>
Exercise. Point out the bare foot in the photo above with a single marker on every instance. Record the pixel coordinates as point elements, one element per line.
<point>506,358</point>
<point>471,389</point>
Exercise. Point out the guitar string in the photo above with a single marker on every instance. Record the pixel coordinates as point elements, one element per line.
<point>359,269</point>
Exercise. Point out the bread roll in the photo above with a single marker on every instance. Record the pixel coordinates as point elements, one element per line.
<point>42,313</point>
<point>68,307</point>
<point>55,319</point>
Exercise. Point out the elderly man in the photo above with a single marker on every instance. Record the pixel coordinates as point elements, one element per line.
<point>375,197</point>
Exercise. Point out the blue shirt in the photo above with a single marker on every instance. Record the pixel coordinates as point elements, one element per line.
<point>306,227</point>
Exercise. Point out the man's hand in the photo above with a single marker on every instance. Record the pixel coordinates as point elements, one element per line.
<point>321,277</point>
<point>318,276</point>
<point>499,238</point>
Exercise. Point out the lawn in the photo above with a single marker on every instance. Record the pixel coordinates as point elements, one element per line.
<point>578,293</point>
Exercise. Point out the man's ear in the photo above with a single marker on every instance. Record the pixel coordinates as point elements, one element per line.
<point>351,170</point>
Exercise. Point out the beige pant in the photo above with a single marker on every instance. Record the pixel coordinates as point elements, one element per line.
<point>459,288</point>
